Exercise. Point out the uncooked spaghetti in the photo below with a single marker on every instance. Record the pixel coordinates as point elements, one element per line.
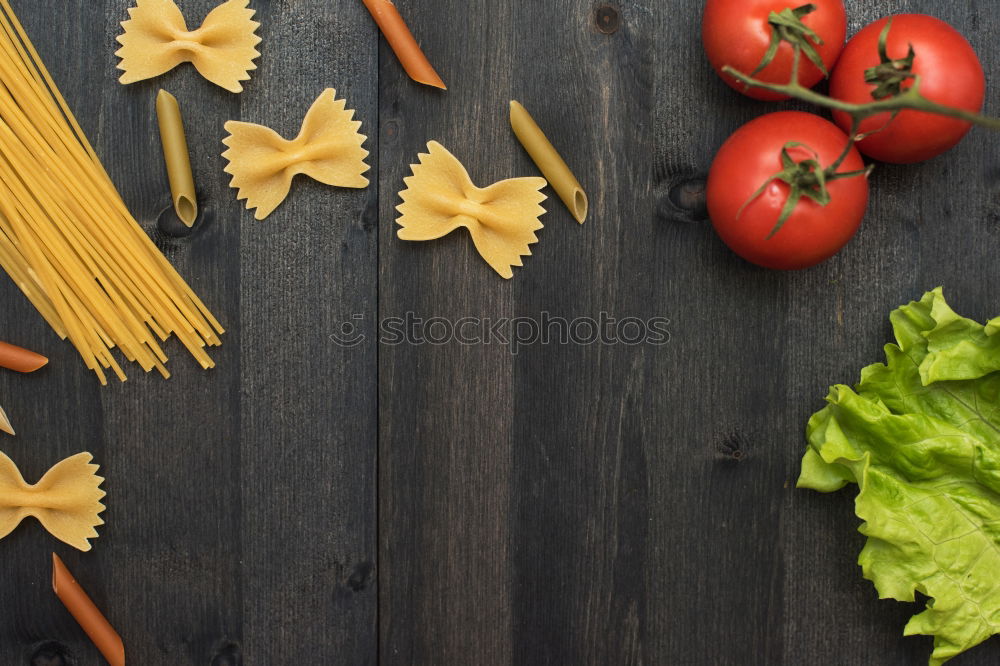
<point>66,237</point>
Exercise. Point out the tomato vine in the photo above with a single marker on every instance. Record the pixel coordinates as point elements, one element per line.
<point>909,99</point>
<point>808,178</point>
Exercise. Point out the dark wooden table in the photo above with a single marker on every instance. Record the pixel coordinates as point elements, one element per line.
<point>308,503</point>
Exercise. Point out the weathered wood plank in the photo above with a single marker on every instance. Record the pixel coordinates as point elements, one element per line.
<point>445,411</point>
<point>241,501</point>
<point>308,417</point>
<point>581,449</point>
<point>42,407</point>
<point>161,444</point>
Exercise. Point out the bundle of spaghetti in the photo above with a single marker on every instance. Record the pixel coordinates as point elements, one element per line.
<point>68,240</point>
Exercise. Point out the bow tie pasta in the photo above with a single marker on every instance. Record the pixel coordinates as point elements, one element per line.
<point>156,39</point>
<point>327,149</point>
<point>441,197</point>
<point>66,501</point>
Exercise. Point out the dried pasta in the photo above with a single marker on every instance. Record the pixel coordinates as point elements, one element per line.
<point>66,237</point>
<point>66,501</point>
<point>86,614</point>
<point>176,157</point>
<point>19,359</point>
<point>5,425</point>
<point>156,39</point>
<point>502,218</point>
<point>327,149</point>
<point>401,40</point>
<point>549,162</point>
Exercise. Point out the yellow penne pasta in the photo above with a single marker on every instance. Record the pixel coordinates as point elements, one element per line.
<point>176,157</point>
<point>549,162</point>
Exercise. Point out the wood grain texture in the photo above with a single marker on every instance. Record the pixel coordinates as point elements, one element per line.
<point>315,503</point>
<point>308,406</point>
<point>241,514</point>
<point>444,543</point>
<point>652,518</point>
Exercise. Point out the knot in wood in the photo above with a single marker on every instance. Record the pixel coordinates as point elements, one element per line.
<point>689,196</point>
<point>229,655</point>
<point>51,653</point>
<point>607,18</point>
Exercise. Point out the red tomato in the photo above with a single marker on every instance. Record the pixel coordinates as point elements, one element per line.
<point>950,74</point>
<point>752,156</point>
<point>737,33</point>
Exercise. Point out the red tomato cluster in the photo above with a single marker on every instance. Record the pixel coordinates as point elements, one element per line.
<point>757,179</point>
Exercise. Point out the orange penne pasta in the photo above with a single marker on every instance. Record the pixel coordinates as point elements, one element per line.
<point>89,617</point>
<point>402,42</point>
<point>20,360</point>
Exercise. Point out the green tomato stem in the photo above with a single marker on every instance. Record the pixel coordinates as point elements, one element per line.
<point>855,126</point>
<point>909,100</point>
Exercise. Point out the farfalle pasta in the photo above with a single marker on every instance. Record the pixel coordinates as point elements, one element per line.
<point>66,501</point>
<point>441,197</point>
<point>327,149</point>
<point>156,39</point>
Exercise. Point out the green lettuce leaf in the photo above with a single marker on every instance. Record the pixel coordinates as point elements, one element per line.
<point>920,436</point>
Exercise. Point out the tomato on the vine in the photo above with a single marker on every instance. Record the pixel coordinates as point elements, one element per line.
<point>746,199</point>
<point>738,33</point>
<point>950,74</point>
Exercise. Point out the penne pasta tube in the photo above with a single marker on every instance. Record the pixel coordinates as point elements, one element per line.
<point>177,157</point>
<point>5,425</point>
<point>87,615</point>
<point>20,360</point>
<point>402,42</point>
<point>549,162</point>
